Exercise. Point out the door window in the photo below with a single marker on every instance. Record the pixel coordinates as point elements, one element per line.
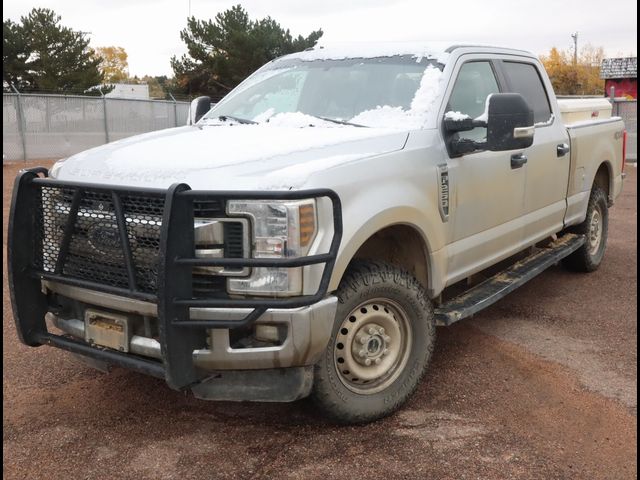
<point>475,82</point>
<point>523,78</point>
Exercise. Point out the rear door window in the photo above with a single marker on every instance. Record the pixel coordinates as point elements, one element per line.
<point>524,78</point>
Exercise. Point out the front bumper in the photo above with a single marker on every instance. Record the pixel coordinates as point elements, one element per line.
<point>193,332</point>
<point>308,330</point>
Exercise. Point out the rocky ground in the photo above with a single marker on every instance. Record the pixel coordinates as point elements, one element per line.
<point>540,386</point>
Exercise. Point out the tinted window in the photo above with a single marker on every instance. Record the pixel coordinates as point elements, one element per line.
<point>475,82</point>
<point>523,78</point>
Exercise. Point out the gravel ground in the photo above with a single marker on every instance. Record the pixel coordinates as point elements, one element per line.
<point>540,386</point>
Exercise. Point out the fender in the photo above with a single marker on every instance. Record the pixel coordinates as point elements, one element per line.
<point>425,224</point>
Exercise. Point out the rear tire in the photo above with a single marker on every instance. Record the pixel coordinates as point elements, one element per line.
<point>382,341</point>
<point>595,228</point>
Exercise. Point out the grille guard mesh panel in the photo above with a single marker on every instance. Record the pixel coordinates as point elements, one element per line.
<point>95,251</point>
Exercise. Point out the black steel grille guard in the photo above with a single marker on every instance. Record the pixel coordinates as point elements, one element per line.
<point>179,335</point>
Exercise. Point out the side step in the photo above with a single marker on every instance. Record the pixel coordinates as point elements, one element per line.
<point>496,287</point>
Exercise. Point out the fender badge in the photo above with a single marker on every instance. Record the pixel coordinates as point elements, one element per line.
<point>443,191</point>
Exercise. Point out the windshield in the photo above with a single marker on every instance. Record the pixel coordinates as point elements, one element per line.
<point>373,92</point>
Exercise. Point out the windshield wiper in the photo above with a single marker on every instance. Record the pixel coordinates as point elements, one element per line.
<point>246,121</point>
<point>333,120</point>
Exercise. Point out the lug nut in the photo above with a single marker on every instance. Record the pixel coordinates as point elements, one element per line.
<point>378,361</point>
<point>362,339</point>
<point>367,362</point>
<point>372,331</point>
<point>362,353</point>
<point>385,351</point>
<point>387,338</point>
<point>381,331</point>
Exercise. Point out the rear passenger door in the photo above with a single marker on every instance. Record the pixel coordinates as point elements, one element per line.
<point>547,168</point>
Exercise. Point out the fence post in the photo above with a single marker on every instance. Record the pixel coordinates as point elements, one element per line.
<point>104,109</point>
<point>612,99</point>
<point>21,125</point>
<point>175,110</point>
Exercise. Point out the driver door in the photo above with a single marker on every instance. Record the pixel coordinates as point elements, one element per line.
<point>488,194</point>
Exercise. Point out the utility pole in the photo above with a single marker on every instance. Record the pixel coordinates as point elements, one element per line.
<point>575,48</point>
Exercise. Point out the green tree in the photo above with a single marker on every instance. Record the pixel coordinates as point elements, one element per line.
<point>44,55</point>
<point>223,52</point>
<point>14,55</point>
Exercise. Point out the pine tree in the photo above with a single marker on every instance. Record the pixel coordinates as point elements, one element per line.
<point>223,52</point>
<point>14,55</point>
<point>47,56</point>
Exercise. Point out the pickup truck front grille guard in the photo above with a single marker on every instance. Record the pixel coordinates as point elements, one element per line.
<point>179,335</point>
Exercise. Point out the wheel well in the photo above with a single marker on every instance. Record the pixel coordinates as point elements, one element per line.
<point>603,179</point>
<point>400,245</point>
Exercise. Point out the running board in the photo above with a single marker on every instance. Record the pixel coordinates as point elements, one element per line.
<point>496,287</point>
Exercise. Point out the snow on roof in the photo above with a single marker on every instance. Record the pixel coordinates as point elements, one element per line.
<point>339,51</point>
<point>439,51</point>
<point>626,67</point>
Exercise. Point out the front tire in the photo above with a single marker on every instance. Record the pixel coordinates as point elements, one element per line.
<point>595,228</point>
<point>381,344</point>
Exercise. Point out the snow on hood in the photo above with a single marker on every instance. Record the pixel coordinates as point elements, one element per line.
<point>229,157</point>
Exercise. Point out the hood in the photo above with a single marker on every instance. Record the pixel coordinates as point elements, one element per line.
<point>228,157</point>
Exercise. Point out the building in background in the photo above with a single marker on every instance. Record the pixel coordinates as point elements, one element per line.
<point>622,75</point>
<point>129,90</point>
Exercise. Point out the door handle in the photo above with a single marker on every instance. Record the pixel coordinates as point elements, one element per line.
<point>518,160</point>
<point>562,149</point>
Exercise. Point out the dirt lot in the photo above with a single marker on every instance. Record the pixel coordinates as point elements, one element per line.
<point>540,386</point>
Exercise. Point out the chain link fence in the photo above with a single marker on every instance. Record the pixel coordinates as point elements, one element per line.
<point>38,126</point>
<point>628,110</point>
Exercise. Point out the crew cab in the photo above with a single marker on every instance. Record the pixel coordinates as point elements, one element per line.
<point>307,234</point>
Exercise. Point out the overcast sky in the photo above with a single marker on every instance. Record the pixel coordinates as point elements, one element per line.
<point>149,30</point>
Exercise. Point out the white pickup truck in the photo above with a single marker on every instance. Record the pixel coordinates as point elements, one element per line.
<point>307,234</point>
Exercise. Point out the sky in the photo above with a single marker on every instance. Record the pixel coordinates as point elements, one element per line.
<point>149,30</point>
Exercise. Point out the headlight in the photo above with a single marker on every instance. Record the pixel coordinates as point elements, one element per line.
<point>281,229</point>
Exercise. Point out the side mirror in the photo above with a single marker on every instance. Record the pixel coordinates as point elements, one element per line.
<point>507,118</point>
<point>199,106</point>
<point>510,124</point>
